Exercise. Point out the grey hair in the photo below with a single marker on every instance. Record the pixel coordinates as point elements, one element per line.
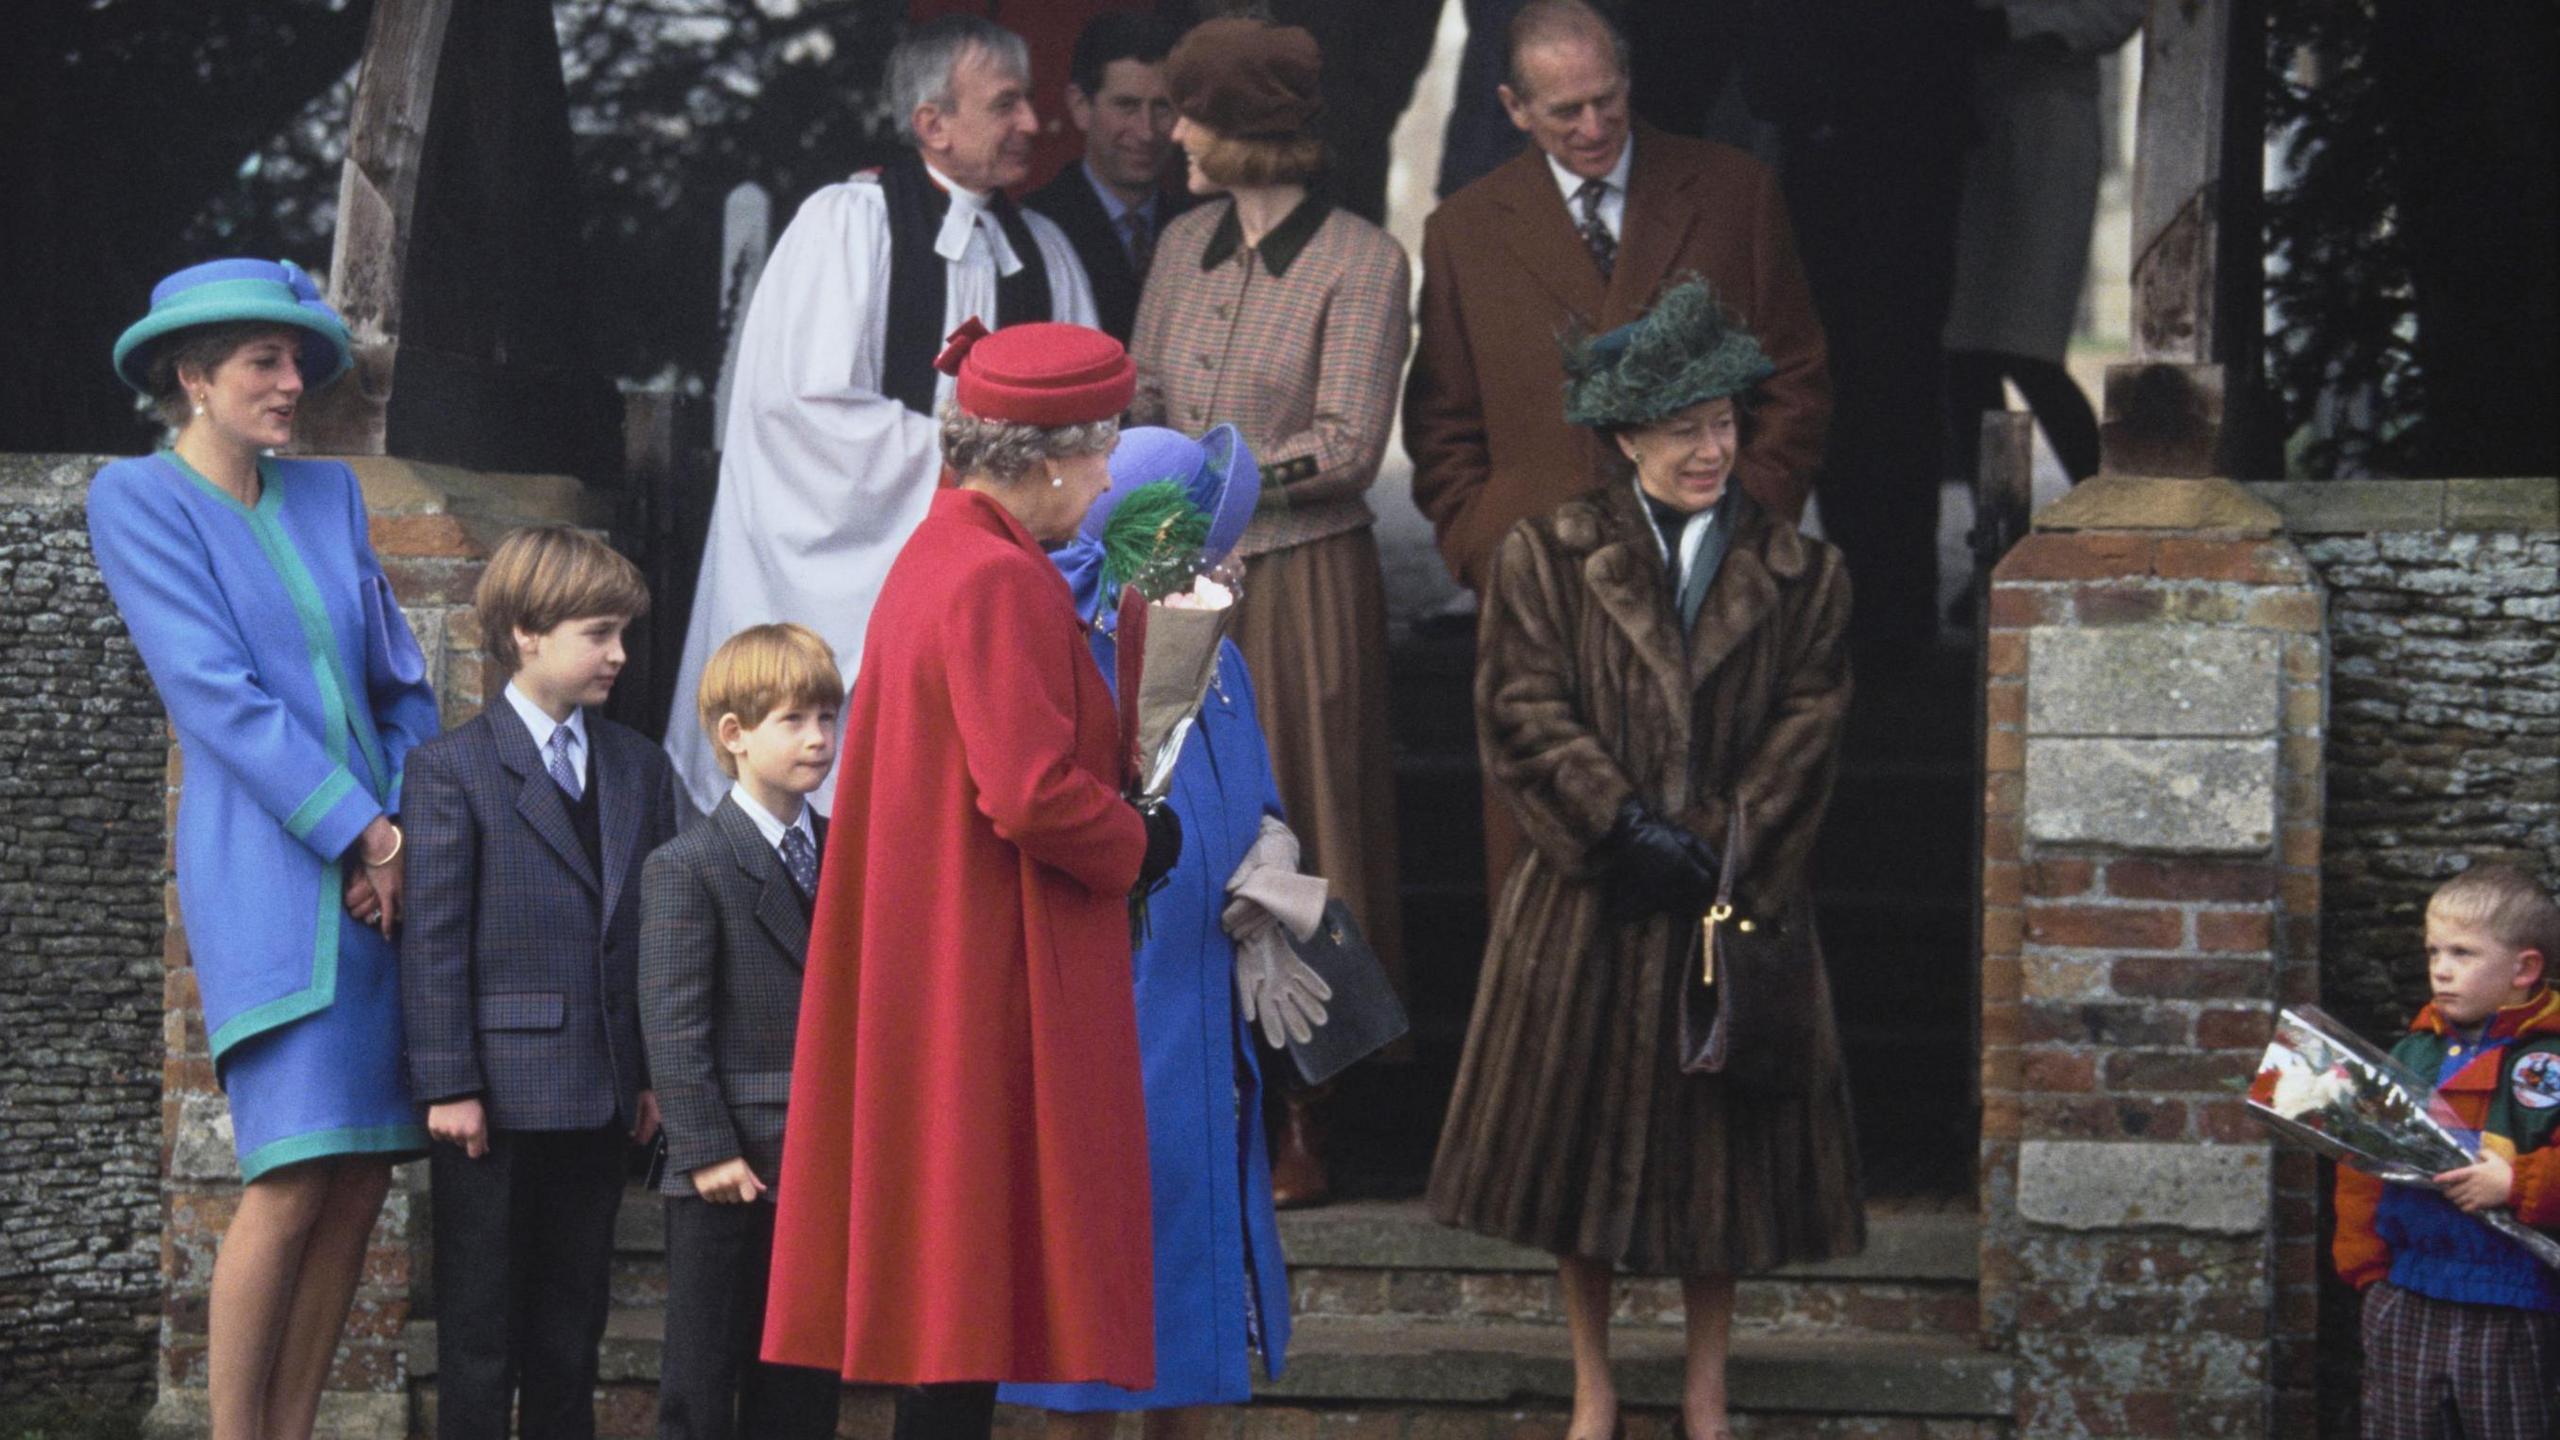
<point>920,65</point>
<point>1543,22</point>
<point>1008,450</point>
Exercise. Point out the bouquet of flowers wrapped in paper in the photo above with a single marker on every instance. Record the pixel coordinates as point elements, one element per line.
<point>1172,616</point>
<point>2324,1088</point>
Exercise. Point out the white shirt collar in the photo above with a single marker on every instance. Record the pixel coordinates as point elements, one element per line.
<point>1693,533</point>
<point>1570,183</point>
<point>542,725</point>
<point>766,825</point>
<point>968,216</point>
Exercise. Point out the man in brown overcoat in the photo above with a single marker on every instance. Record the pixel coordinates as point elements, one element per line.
<point>1511,262</point>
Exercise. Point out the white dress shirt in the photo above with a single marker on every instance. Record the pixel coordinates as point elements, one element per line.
<point>770,828</point>
<point>1613,202</point>
<point>542,725</point>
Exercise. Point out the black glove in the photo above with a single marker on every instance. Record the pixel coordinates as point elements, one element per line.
<point>1652,867</point>
<point>1164,846</point>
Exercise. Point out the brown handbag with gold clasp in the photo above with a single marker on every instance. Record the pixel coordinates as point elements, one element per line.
<point>1747,991</point>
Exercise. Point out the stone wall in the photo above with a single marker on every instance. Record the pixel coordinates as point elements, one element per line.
<point>2152,832</point>
<point>2444,618</point>
<point>83,756</point>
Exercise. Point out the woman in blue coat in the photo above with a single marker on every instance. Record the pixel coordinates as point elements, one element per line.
<point>252,592</point>
<point>1222,1292</point>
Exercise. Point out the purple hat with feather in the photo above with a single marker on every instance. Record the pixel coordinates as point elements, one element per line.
<point>1217,471</point>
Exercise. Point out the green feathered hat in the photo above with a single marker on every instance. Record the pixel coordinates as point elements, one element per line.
<point>1682,351</point>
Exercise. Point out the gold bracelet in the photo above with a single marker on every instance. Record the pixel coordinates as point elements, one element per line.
<point>398,839</point>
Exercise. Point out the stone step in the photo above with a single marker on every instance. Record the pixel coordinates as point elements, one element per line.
<point>1386,1260</point>
<point>1392,1367</point>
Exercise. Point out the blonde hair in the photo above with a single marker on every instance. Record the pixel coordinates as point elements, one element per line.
<point>543,575</point>
<point>1248,161</point>
<point>2505,902</point>
<point>759,670</point>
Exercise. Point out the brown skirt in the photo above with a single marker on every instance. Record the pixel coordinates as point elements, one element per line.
<point>1312,623</point>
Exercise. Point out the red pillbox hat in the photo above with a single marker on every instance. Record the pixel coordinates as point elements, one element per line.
<point>1044,374</point>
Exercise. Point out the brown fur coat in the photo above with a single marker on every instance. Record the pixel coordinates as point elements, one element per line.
<point>1573,1128</point>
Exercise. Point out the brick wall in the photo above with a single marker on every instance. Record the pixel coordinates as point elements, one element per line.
<point>82,751</point>
<point>2152,796</point>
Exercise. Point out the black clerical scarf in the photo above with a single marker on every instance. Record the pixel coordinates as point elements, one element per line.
<point>919,282</point>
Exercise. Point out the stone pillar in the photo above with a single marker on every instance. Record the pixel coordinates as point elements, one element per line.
<point>2151,892</point>
<point>433,527</point>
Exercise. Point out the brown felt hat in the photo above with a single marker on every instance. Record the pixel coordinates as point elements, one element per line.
<point>1247,78</point>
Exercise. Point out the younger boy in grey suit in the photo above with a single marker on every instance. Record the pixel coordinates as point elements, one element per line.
<point>724,931</point>
<point>518,967</point>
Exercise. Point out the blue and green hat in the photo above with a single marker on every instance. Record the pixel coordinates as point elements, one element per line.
<point>1683,351</point>
<point>222,291</point>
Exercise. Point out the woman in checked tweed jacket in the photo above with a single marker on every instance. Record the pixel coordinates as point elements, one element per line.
<point>1273,311</point>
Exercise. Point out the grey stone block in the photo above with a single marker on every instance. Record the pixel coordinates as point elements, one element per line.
<point>2354,507</point>
<point>2513,502</point>
<point>202,1148</point>
<point>2117,1185</point>
<point>2208,797</point>
<point>2152,680</point>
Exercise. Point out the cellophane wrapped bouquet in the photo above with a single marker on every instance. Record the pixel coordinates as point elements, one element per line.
<point>2322,1087</point>
<point>1173,613</point>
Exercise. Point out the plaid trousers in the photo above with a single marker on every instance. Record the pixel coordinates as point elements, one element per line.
<point>2440,1370</point>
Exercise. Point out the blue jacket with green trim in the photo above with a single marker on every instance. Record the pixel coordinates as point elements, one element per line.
<point>297,693</point>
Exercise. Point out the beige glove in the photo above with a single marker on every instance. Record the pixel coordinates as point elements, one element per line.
<point>1273,985</point>
<point>1267,886</point>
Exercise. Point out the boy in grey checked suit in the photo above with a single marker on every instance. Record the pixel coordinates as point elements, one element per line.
<point>519,962</point>
<point>725,928</point>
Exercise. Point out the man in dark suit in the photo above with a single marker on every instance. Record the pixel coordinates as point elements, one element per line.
<point>1585,227</point>
<point>724,933</point>
<point>518,971</point>
<point>1114,202</point>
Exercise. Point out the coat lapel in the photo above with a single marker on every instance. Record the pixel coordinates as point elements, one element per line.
<point>778,907</point>
<point>618,808</point>
<point>1745,591</point>
<point>538,797</point>
<point>1541,237</point>
<point>1661,210</point>
<point>1625,576</point>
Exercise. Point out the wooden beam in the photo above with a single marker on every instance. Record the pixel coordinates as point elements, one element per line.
<point>2185,406</point>
<point>377,195</point>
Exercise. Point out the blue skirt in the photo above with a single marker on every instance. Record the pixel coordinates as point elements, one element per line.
<point>332,1082</point>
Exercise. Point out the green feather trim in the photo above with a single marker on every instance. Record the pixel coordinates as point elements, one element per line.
<point>1153,539</point>
<point>1683,351</point>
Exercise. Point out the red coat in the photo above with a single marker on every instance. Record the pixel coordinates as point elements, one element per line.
<point>964,1172</point>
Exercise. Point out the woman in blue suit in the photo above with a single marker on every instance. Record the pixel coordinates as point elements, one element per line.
<point>1222,1292</point>
<point>252,592</point>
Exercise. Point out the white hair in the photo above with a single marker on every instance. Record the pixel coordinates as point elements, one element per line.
<point>1008,450</point>
<point>920,66</point>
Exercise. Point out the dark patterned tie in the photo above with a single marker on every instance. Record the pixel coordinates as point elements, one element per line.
<point>801,858</point>
<point>1142,240</point>
<point>1595,231</point>
<point>563,763</point>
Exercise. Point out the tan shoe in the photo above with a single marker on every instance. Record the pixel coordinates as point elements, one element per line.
<point>1298,1179</point>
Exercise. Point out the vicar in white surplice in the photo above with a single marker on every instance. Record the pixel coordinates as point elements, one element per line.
<point>833,449</point>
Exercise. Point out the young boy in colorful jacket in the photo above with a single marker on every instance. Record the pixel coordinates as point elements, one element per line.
<point>2459,1321</point>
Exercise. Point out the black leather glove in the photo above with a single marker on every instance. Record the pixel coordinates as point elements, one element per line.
<point>1164,846</point>
<point>1650,866</point>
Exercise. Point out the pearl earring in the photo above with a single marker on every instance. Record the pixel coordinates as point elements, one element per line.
<point>1057,481</point>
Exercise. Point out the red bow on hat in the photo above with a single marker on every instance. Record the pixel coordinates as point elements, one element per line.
<point>956,345</point>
